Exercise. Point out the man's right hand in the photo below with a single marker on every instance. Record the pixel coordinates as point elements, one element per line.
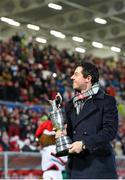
<point>60,133</point>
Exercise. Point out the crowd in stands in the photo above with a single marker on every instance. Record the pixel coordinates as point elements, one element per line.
<point>32,75</point>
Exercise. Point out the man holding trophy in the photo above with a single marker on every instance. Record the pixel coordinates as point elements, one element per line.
<point>90,125</point>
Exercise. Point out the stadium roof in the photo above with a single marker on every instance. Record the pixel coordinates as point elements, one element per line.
<point>75,18</point>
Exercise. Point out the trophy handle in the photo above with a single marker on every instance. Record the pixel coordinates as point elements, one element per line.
<point>56,103</point>
<point>58,99</point>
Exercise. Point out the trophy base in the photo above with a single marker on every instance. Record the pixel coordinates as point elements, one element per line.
<point>62,146</point>
<point>62,153</point>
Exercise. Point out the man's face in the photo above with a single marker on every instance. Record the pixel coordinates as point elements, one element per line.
<point>79,82</point>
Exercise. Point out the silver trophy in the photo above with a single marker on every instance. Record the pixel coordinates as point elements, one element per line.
<point>56,115</point>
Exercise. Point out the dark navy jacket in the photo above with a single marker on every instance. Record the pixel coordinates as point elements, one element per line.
<point>97,126</point>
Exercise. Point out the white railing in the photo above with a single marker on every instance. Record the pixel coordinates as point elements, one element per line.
<point>120,161</point>
<point>19,161</point>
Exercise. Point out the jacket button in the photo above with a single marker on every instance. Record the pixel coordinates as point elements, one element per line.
<point>84,132</point>
<point>74,132</point>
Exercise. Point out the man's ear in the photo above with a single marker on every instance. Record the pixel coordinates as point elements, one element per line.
<point>89,78</point>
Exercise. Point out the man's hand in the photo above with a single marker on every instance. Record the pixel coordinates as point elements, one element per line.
<point>76,147</point>
<point>60,133</point>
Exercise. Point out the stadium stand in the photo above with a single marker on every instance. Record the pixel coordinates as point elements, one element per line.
<point>28,77</point>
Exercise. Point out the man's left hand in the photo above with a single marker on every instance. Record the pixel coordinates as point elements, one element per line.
<point>76,147</point>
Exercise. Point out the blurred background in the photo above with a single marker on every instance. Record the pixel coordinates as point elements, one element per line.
<point>40,43</point>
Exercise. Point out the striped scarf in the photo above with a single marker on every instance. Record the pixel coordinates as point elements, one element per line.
<point>80,98</point>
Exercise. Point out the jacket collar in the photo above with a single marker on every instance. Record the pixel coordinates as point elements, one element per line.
<point>99,95</point>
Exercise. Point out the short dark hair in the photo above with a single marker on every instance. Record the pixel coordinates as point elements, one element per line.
<point>90,69</point>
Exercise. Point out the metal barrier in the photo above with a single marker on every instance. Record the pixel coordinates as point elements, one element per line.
<point>10,161</point>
